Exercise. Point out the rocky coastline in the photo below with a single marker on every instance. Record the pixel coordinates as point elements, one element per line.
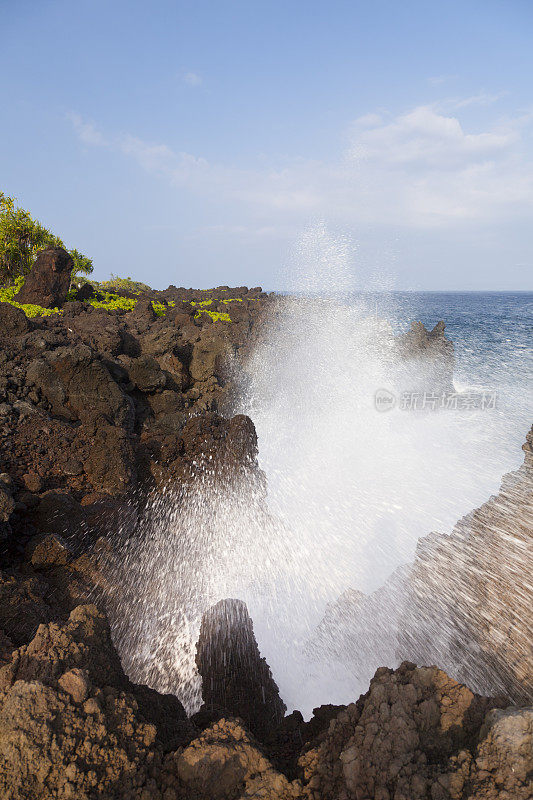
<point>101,409</point>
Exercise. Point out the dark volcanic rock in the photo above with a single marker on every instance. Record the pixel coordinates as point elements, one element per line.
<point>235,679</point>
<point>87,292</point>
<point>78,386</point>
<point>48,282</point>
<point>7,505</point>
<point>13,321</point>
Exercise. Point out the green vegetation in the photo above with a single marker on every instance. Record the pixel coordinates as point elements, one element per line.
<point>21,238</point>
<point>111,301</point>
<point>125,284</point>
<point>216,316</point>
<point>8,294</point>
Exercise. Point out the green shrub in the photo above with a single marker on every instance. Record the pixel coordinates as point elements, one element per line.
<point>22,237</point>
<point>113,301</point>
<point>125,284</point>
<point>216,316</point>
<point>110,302</point>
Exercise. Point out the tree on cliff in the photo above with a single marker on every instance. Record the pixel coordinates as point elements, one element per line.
<point>21,238</point>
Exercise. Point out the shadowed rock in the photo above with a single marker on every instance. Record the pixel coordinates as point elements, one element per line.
<point>426,359</point>
<point>13,321</point>
<point>236,680</point>
<point>48,283</point>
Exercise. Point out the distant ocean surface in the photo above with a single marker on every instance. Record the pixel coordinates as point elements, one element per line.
<point>492,331</point>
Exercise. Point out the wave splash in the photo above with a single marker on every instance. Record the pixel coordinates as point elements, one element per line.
<point>350,491</point>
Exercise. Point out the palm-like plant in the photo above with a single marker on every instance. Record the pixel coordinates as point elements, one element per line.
<point>21,238</point>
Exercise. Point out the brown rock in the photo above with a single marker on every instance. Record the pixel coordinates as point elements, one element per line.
<point>46,550</point>
<point>32,482</point>
<point>226,762</point>
<point>49,280</point>
<point>79,386</point>
<point>13,321</point>
<point>75,682</point>
<point>146,374</point>
<point>412,735</point>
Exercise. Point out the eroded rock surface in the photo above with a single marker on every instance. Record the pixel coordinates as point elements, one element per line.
<point>465,603</point>
<point>73,726</point>
<point>48,282</point>
<point>97,409</point>
<point>469,596</point>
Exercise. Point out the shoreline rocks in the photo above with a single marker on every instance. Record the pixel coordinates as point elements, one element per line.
<point>100,410</point>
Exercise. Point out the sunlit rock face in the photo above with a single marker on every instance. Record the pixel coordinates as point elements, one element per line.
<point>48,282</point>
<point>419,734</point>
<point>469,604</point>
<point>465,602</point>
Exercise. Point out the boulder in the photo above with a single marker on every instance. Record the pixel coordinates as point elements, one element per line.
<point>413,735</point>
<point>98,329</point>
<point>83,642</point>
<point>226,762</point>
<point>48,282</point>
<point>78,385</point>
<point>46,550</point>
<point>13,321</point>
<point>146,374</point>
<point>504,758</point>
<point>87,292</point>
<point>54,745</point>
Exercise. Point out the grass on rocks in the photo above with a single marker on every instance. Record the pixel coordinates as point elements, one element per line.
<point>112,301</point>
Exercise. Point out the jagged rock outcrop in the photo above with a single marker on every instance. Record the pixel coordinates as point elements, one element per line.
<point>226,762</point>
<point>465,602</point>
<point>425,360</point>
<point>73,725</point>
<point>13,321</point>
<point>101,407</point>
<point>418,734</point>
<point>236,681</point>
<point>48,282</point>
<point>469,597</point>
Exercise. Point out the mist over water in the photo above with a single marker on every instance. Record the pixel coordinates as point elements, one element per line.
<point>350,488</point>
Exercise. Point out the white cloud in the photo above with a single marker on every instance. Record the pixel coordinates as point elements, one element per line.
<point>87,132</point>
<point>479,99</point>
<point>438,80</point>
<point>423,138</point>
<point>192,79</point>
<point>419,169</point>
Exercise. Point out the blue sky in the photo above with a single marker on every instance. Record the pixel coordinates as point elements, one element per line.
<point>201,143</point>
